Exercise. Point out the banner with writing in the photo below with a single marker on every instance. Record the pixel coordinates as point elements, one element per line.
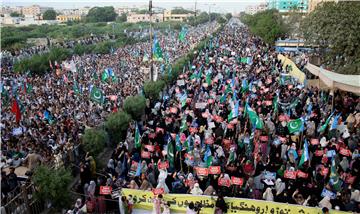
<point>179,202</point>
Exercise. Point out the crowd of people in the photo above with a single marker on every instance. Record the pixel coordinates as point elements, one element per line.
<point>43,117</point>
<point>236,125</point>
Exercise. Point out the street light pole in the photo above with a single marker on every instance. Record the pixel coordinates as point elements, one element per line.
<point>151,43</point>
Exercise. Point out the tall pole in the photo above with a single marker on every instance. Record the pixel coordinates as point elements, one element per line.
<point>209,13</point>
<point>195,9</point>
<point>151,43</point>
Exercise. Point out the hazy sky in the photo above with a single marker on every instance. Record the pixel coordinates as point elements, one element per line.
<point>220,5</point>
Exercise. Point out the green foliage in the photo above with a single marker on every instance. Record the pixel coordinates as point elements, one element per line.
<point>94,141</point>
<point>267,24</point>
<point>15,14</point>
<point>122,18</point>
<point>39,64</point>
<point>116,125</point>
<point>49,15</point>
<point>220,20</point>
<point>144,11</point>
<point>135,106</point>
<point>181,10</point>
<point>153,88</point>
<point>101,14</point>
<point>335,28</point>
<point>200,19</point>
<point>52,184</point>
<point>228,16</point>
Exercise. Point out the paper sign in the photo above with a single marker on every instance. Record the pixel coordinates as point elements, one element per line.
<point>270,175</point>
<point>210,101</point>
<point>145,154</point>
<point>150,148</point>
<point>314,141</point>
<point>224,182</point>
<point>193,130</point>
<point>268,102</point>
<point>151,135</point>
<point>328,193</point>
<point>214,170</point>
<point>330,153</point>
<point>158,129</point>
<point>350,179</point>
<point>301,174</point>
<point>105,190</point>
<point>190,157</point>
<point>202,171</point>
<point>163,165</point>
<point>290,174</point>
<point>200,105</point>
<point>237,181</point>
<point>211,125</point>
<point>158,191</point>
<point>345,152</point>
<point>180,82</point>
<point>319,153</point>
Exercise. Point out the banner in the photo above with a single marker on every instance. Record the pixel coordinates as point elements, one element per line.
<point>295,71</point>
<point>179,202</point>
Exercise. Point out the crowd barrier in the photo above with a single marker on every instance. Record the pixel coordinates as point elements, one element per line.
<point>179,203</point>
<point>295,71</point>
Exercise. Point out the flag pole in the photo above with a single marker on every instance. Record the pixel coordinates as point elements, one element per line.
<point>151,43</point>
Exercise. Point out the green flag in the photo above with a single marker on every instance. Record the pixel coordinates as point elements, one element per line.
<point>335,181</point>
<point>137,137</point>
<point>254,118</point>
<point>76,88</point>
<point>157,52</point>
<point>28,88</point>
<point>104,76</point>
<point>243,59</point>
<point>276,103</point>
<point>182,34</point>
<point>208,78</point>
<point>170,153</point>
<point>96,95</point>
<point>323,127</point>
<point>183,126</point>
<point>295,125</point>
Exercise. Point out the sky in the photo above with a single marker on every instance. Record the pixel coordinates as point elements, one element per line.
<point>215,5</point>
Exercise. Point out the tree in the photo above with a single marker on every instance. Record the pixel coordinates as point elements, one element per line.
<point>94,141</point>
<point>122,18</point>
<point>228,16</point>
<point>101,14</point>
<point>181,10</point>
<point>152,89</point>
<point>135,106</point>
<point>52,184</point>
<point>335,27</point>
<point>116,125</point>
<point>220,20</point>
<point>15,14</point>
<point>49,15</point>
<point>267,24</point>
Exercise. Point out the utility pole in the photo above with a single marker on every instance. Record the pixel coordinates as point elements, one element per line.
<point>195,8</point>
<point>151,43</point>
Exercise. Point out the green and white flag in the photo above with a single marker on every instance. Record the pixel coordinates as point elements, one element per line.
<point>323,127</point>
<point>254,118</point>
<point>295,125</point>
<point>182,35</point>
<point>96,95</point>
<point>156,49</point>
<point>104,76</point>
<point>183,126</point>
<point>137,137</point>
<point>170,153</point>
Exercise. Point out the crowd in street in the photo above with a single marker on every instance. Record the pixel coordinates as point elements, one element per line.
<point>235,124</point>
<point>43,117</point>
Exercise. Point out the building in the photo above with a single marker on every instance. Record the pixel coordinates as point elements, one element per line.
<point>24,21</point>
<point>285,6</point>
<point>168,16</point>
<point>66,18</point>
<point>314,3</point>
<point>121,10</point>
<point>134,18</point>
<point>35,10</point>
<point>255,8</point>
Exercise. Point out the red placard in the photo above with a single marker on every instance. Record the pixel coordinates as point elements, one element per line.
<point>174,110</point>
<point>268,102</point>
<point>302,174</point>
<point>218,119</point>
<point>163,165</point>
<point>290,174</point>
<point>214,170</point>
<point>210,101</point>
<point>151,135</point>
<point>319,153</point>
<point>202,171</point>
<point>264,138</point>
<point>158,191</point>
<point>282,139</point>
<point>226,142</point>
<point>314,141</point>
<point>345,152</point>
<point>193,130</point>
<point>209,140</point>
<point>324,171</point>
<point>350,179</point>
<point>224,182</point>
<point>145,154</point>
<point>237,181</point>
<point>105,190</point>
<point>150,148</point>
<point>190,157</point>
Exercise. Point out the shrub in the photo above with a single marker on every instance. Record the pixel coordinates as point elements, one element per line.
<point>135,106</point>
<point>52,184</point>
<point>116,125</point>
<point>94,141</point>
<point>153,88</point>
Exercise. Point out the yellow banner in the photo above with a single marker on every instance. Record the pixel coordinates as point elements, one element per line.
<point>295,71</point>
<point>179,203</point>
